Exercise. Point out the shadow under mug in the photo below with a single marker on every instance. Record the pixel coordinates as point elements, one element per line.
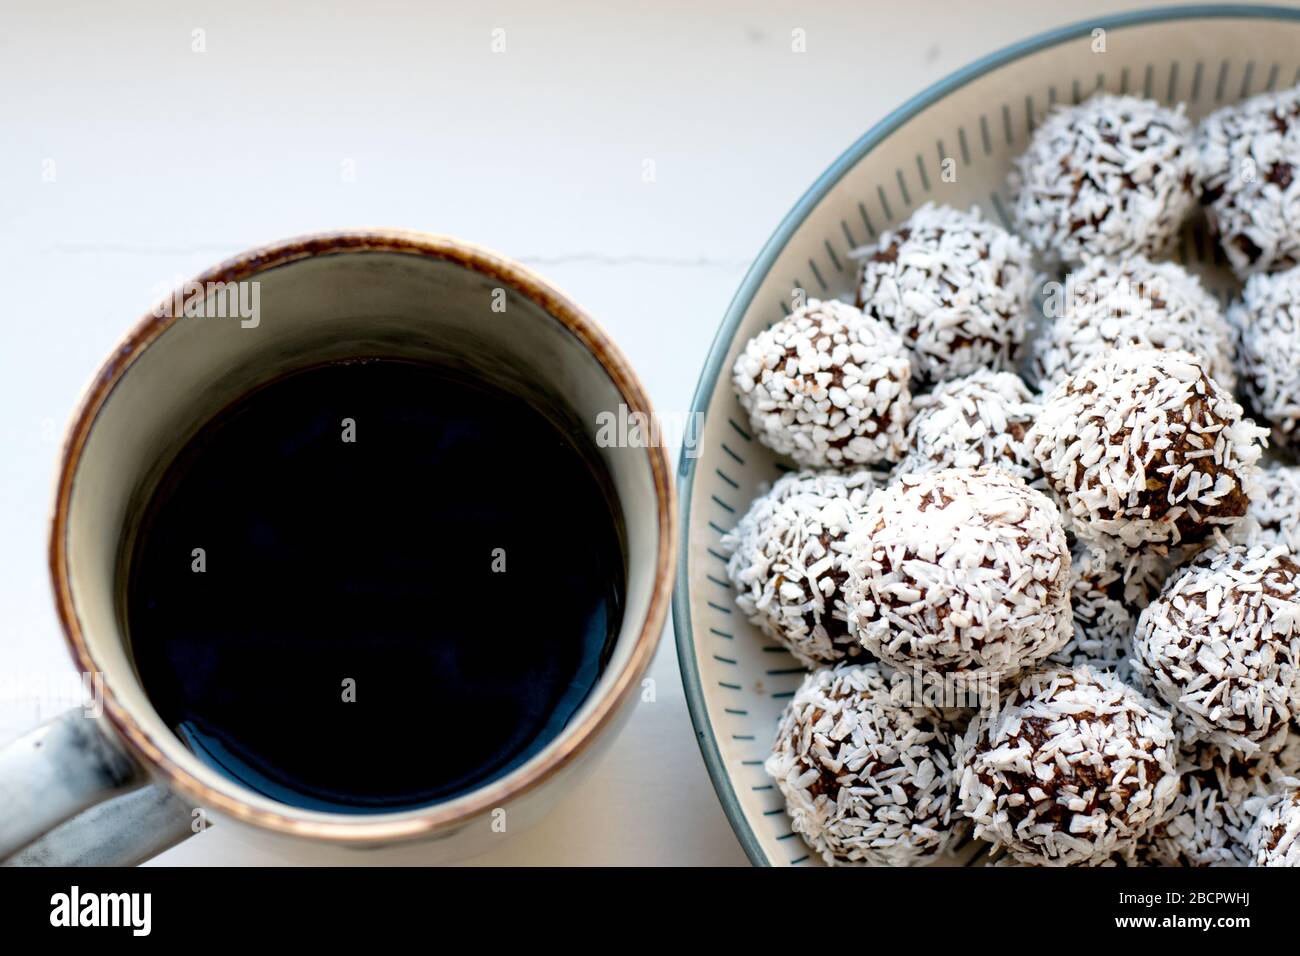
<point>319,298</point>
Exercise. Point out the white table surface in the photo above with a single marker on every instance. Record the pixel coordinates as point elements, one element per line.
<point>166,160</point>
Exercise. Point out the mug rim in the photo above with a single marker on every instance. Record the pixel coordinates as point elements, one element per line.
<point>574,740</point>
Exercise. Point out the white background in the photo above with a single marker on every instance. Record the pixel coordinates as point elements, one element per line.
<point>167,160</point>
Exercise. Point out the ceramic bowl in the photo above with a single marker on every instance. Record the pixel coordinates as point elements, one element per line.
<point>737,682</point>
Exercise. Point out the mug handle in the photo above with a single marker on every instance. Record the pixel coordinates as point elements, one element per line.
<point>50,777</point>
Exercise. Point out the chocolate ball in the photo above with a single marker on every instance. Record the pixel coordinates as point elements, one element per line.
<point>1105,601</point>
<point>867,779</point>
<point>1221,646</point>
<point>1073,769</point>
<point>1146,452</point>
<point>827,386</point>
<point>1250,167</point>
<point>980,419</point>
<point>1275,508</point>
<point>960,571</point>
<point>1126,303</point>
<point>955,286</point>
<point>1112,176</point>
<point>787,562</point>
<point>1267,325</point>
<point>1274,839</point>
<point>1209,821</point>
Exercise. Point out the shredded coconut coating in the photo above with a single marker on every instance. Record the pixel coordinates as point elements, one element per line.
<point>1145,451</point>
<point>1267,323</point>
<point>828,386</point>
<point>1209,822</point>
<point>1132,302</point>
<point>960,571</point>
<point>1250,168</point>
<point>956,287</point>
<point>1105,601</point>
<point>1288,757</point>
<point>1274,839</point>
<point>1275,508</point>
<point>1072,769</point>
<point>1221,646</point>
<point>787,562</point>
<point>867,780</point>
<point>1112,176</point>
<point>968,422</point>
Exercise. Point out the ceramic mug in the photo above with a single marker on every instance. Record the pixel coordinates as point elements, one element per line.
<point>297,303</point>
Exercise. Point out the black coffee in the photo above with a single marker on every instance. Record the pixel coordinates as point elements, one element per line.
<point>407,584</point>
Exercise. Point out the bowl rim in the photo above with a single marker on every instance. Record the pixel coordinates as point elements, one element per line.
<point>446,816</point>
<point>758,271</point>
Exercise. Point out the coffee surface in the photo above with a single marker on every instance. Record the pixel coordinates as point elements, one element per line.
<point>372,586</point>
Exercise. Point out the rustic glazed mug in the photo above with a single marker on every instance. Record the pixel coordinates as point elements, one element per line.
<point>316,299</point>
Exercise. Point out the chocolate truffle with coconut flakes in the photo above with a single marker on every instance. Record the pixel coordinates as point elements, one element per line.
<point>955,286</point>
<point>1123,303</point>
<point>1275,508</point>
<point>960,571</point>
<point>980,419</point>
<point>1274,838</point>
<point>1072,769</point>
<point>1146,452</point>
<point>828,386</point>
<point>1288,756</point>
<point>1113,176</point>
<point>787,562</point>
<point>867,779</point>
<point>1250,168</point>
<point>1221,645</point>
<point>1105,601</point>
<point>1267,324</point>
<point>1209,822</point>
